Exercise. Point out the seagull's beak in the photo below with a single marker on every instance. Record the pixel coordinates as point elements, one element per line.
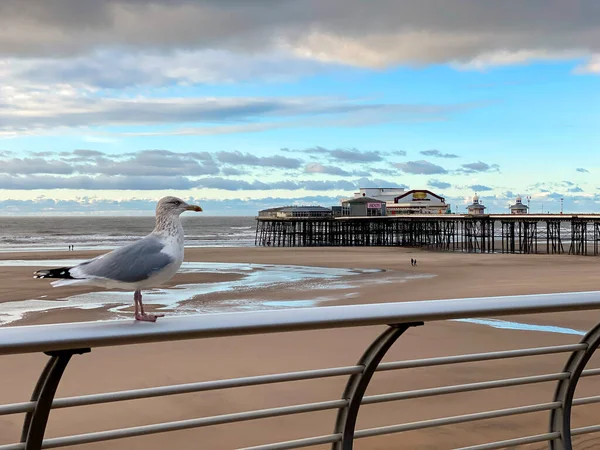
<point>193,208</point>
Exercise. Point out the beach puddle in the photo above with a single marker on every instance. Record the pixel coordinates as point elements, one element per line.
<point>245,279</point>
<point>508,325</point>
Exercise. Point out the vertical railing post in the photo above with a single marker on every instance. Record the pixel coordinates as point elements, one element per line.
<point>358,383</point>
<point>34,425</point>
<point>560,418</point>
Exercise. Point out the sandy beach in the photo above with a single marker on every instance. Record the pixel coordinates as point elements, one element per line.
<point>378,275</point>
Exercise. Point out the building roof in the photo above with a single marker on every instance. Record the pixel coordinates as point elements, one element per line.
<point>519,206</point>
<point>418,190</point>
<point>304,208</point>
<point>477,206</point>
<point>296,208</point>
<point>278,208</point>
<point>360,200</point>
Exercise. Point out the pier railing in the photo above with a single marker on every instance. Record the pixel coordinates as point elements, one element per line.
<point>62,341</point>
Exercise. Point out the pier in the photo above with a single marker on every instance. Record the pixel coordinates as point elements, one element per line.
<point>495,233</point>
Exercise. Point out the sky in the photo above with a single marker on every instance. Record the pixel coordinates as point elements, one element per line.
<point>239,105</point>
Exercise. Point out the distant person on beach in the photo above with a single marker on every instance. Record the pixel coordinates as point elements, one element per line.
<point>415,262</point>
<point>412,262</point>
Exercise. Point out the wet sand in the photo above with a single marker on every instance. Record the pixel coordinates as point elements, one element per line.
<point>456,275</point>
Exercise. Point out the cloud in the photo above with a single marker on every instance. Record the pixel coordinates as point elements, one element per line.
<point>575,189</point>
<point>438,154</point>
<point>232,171</point>
<point>102,182</point>
<point>311,185</point>
<point>161,163</point>
<point>480,188</point>
<point>146,206</point>
<point>479,166</point>
<point>34,165</point>
<point>590,67</point>
<point>582,170</point>
<point>320,168</point>
<point>247,159</point>
<point>378,182</point>
<point>355,156</point>
<point>347,155</point>
<point>27,109</point>
<point>231,185</point>
<point>438,184</point>
<point>421,167</point>
<point>470,33</point>
<point>179,66</point>
<point>83,153</point>
<point>384,171</point>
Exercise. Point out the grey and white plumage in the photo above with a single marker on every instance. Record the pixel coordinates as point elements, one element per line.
<point>143,264</point>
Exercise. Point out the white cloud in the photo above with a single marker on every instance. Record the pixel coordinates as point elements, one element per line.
<point>320,168</point>
<point>591,66</point>
<point>420,167</point>
<point>26,109</point>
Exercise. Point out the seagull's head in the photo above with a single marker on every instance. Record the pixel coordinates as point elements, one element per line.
<point>174,206</point>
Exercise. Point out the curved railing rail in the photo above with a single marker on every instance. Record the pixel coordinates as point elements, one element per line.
<point>62,341</point>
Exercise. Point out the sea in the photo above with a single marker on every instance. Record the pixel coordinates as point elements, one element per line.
<point>20,234</point>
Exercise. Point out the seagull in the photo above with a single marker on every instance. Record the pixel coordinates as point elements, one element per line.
<point>143,264</point>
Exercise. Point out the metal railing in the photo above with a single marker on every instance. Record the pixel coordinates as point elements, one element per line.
<point>62,341</point>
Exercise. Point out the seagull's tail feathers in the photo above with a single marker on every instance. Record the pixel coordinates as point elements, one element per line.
<point>64,274</point>
<point>69,282</point>
<point>61,272</point>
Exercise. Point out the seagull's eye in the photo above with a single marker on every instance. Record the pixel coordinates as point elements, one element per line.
<point>177,202</point>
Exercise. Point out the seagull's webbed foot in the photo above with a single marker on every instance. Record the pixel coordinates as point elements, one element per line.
<point>145,317</point>
<point>140,314</point>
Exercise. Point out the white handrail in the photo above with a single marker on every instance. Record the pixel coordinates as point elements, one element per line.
<point>41,338</point>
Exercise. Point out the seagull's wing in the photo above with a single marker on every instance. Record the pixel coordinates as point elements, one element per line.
<point>129,264</point>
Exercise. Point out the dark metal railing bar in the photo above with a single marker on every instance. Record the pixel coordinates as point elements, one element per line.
<point>590,373</point>
<point>34,424</point>
<point>474,357</point>
<point>190,423</point>
<point>357,384</point>
<point>456,419</point>
<point>134,394</point>
<point>586,400</point>
<point>585,430</point>
<point>470,387</point>
<point>17,408</point>
<point>274,412</point>
<point>560,418</point>
<point>204,386</point>
<point>513,442</point>
<point>298,443</point>
<point>92,399</point>
<point>20,446</point>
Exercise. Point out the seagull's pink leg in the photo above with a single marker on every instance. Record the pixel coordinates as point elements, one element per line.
<point>141,315</point>
<point>135,303</point>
